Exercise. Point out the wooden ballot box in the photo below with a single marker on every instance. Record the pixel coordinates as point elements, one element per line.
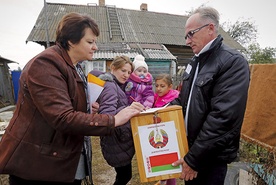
<point>160,138</point>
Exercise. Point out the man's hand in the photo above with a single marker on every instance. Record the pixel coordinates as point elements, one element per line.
<point>187,172</point>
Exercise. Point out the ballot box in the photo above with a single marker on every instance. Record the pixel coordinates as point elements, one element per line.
<point>159,138</point>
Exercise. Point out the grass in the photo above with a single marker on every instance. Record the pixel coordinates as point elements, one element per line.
<point>255,153</point>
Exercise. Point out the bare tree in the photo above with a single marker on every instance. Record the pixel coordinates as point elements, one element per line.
<point>243,31</point>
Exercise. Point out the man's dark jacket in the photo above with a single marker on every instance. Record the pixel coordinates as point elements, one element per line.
<point>217,105</point>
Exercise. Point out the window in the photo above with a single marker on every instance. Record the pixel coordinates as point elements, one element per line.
<point>98,65</point>
<point>94,65</point>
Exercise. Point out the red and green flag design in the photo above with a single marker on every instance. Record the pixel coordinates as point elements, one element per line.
<point>163,162</point>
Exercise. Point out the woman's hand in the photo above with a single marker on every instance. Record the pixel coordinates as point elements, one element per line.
<point>127,113</point>
<point>137,105</point>
<point>95,107</point>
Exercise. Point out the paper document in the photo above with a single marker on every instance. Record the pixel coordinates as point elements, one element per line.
<point>94,87</point>
<point>154,109</point>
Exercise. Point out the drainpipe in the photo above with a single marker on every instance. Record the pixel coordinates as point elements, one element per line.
<point>46,21</point>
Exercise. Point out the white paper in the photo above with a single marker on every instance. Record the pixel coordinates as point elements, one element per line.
<point>153,109</point>
<point>94,92</point>
<point>188,69</point>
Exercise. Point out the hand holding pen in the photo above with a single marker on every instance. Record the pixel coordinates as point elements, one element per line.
<point>133,99</point>
<point>135,102</point>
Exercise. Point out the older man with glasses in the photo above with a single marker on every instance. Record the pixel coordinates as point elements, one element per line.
<point>213,97</point>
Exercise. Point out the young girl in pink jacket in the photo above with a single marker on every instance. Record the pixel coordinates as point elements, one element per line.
<point>164,93</point>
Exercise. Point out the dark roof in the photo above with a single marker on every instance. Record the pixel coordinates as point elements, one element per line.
<point>135,26</point>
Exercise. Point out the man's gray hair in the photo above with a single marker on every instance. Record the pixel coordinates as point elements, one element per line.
<point>208,14</point>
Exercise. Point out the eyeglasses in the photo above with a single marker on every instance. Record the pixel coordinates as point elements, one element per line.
<point>190,34</point>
